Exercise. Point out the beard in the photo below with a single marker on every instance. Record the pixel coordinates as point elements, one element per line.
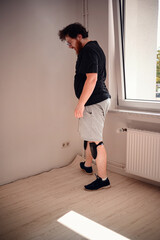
<point>78,47</point>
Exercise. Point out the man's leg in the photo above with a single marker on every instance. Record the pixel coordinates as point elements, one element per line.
<point>99,153</point>
<point>88,162</point>
<point>101,161</point>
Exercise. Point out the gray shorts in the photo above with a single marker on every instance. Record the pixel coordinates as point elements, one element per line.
<point>92,124</point>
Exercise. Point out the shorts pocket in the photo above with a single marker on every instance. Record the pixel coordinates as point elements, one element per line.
<point>88,110</point>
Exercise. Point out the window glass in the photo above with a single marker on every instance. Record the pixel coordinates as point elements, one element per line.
<point>141,40</point>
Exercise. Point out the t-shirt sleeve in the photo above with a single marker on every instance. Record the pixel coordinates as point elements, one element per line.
<point>90,61</point>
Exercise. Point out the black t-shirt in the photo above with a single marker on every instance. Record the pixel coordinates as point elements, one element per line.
<point>91,59</point>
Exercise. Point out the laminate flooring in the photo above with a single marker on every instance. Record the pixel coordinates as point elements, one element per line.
<point>30,208</point>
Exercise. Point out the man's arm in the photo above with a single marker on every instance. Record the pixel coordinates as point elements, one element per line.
<point>88,88</point>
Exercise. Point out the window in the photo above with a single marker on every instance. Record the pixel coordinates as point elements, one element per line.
<point>139,43</point>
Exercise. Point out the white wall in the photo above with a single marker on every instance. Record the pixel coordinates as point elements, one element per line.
<point>36,87</point>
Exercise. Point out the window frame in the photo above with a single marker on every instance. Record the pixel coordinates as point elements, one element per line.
<point>122,102</point>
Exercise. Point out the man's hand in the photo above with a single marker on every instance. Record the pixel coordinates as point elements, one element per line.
<point>78,113</point>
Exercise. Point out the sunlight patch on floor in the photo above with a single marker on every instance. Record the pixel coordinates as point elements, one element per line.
<point>88,228</point>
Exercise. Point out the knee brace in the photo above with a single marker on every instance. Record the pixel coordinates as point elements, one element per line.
<point>93,147</point>
<point>85,145</point>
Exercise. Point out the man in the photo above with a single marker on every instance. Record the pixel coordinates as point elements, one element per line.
<point>94,99</point>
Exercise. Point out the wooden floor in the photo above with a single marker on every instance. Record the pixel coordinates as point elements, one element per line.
<point>29,208</point>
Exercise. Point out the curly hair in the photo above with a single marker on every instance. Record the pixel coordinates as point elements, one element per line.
<point>72,31</point>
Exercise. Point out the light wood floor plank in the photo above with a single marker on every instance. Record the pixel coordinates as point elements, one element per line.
<point>29,208</point>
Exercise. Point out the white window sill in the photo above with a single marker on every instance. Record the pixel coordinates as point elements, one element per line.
<point>139,115</point>
<point>135,112</point>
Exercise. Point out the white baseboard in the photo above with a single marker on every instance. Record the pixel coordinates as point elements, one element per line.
<point>120,169</point>
<point>116,167</point>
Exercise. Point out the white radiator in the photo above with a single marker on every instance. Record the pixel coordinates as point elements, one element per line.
<point>143,154</point>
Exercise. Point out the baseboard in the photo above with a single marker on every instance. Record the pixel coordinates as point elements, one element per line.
<point>116,167</point>
<point>120,169</point>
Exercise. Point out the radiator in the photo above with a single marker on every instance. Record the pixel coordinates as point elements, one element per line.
<point>143,154</point>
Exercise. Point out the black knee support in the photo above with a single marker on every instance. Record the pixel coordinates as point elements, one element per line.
<point>93,147</point>
<point>85,145</point>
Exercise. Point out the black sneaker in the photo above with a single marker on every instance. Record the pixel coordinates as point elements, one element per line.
<point>98,184</point>
<point>88,170</point>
